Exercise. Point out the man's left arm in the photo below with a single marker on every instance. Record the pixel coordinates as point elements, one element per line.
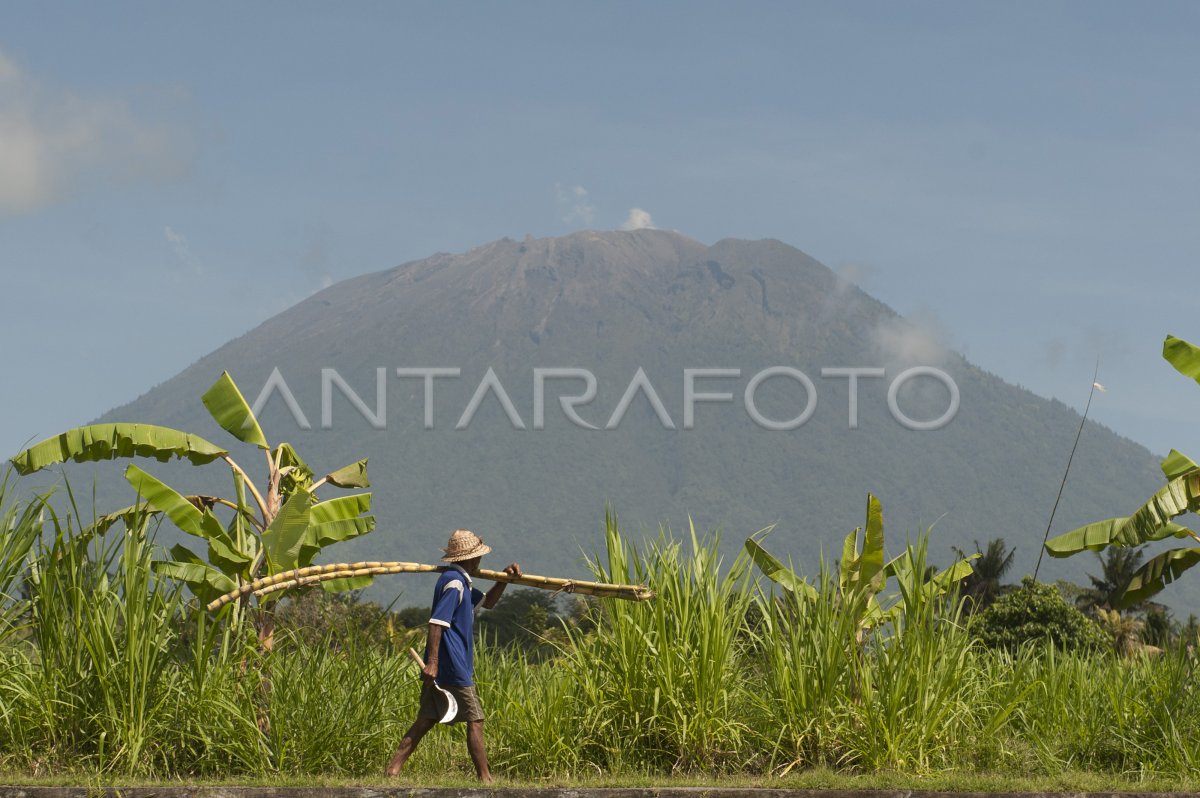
<point>492,597</point>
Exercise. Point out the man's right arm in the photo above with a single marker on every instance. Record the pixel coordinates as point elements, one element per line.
<point>432,649</point>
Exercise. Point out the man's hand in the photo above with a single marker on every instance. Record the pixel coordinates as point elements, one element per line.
<point>430,671</point>
<point>493,595</point>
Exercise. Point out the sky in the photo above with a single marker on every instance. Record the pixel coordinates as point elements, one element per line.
<point>1019,178</point>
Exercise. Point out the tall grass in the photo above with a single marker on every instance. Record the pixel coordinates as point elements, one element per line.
<point>20,529</point>
<point>106,669</point>
<point>94,663</point>
<point>664,675</point>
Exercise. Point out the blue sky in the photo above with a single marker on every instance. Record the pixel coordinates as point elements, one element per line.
<point>1020,178</point>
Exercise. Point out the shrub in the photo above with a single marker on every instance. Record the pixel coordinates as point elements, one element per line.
<point>1037,613</point>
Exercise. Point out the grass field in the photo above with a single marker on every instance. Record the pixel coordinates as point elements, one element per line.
<point>108,673</point>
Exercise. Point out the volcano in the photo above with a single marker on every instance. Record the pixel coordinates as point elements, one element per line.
<point>730,365</point>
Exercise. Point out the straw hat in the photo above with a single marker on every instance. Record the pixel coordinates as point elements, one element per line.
<point>464,545</point>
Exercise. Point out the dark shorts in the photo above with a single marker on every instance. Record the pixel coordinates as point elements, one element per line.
<point>433,703</point>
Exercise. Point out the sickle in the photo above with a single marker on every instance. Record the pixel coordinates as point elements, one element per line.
<point>451,703</point>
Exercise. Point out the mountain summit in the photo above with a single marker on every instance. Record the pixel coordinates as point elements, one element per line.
<point>701,361</point>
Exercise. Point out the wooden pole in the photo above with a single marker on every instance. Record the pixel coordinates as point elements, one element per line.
<point>301,577</point>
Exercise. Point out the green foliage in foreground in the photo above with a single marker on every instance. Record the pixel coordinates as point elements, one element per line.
<point>285,528</point>
<point>109,671</point>
<point>1153,520</point>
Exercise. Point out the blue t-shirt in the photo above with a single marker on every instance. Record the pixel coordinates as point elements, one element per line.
<point>454,603</point>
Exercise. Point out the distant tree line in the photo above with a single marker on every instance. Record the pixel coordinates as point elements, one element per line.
<point>1071,615</point>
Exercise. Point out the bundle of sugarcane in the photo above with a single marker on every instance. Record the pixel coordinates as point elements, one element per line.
<point>301,577</point>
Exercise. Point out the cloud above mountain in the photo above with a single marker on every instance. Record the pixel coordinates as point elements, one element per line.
<point>574,205</point>
<point>638,219</point>
<point>916,340</point>
<point>182,250</point>
<point>54,142</point>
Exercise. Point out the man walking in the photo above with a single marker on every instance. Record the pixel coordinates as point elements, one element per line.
<point>450,651</point>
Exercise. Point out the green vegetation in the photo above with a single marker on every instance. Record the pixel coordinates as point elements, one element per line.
<point>988,568</point>
<point>1037,613</point>
<point>1151,522</point>
<point>285,528</point>
<point>107,669</point>
<point>863,573</point>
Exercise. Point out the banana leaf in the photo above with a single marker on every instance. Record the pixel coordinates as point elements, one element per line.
<point>945,580</point>
<point>941,583</point>
<point>1157,574</point>
<point>864,571</point>
<point>1101,534</point>
<point>319,536</point>
<point>347,583</point>
<point>777,572</point>
<point>903,568</point>
<point>870,564</point>
<point>1177,497</point>
<point>228,559</point>
<point>1183,356</point>
<point>110,441</point>
<point>191,515</point>
<point>1176,465</point>
<point>847,565</point>
<point>351,476</point>
<point>206,582</point>
<point>333,521</point>
<point>229,408</point>
<point>126,515</point>
<point>284,538</point>
<point>341,508</point>
<point>182,512</point>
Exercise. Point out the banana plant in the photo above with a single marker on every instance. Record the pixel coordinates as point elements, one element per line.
<point>274,526</point>
<point>1153,520</point>
<point>864,572</point>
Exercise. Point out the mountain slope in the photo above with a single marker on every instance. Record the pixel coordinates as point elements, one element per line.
<point>615,302</point>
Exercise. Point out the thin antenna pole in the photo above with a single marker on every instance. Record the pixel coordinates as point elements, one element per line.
<point>1063,484</point>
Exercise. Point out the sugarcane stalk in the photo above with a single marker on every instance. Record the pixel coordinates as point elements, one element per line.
<point>313,574</point>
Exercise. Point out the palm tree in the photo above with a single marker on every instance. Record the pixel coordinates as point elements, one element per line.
<point>984,585</point>
<point>1160,629</point>
<point>1125,631</point>
<point>1117,566</point>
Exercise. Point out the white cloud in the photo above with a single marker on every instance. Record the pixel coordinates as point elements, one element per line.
<point>638,219</point>
<point>918,340</point>
<point>574,206</point>
<point>183,252</point>
<point>53,142</point>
